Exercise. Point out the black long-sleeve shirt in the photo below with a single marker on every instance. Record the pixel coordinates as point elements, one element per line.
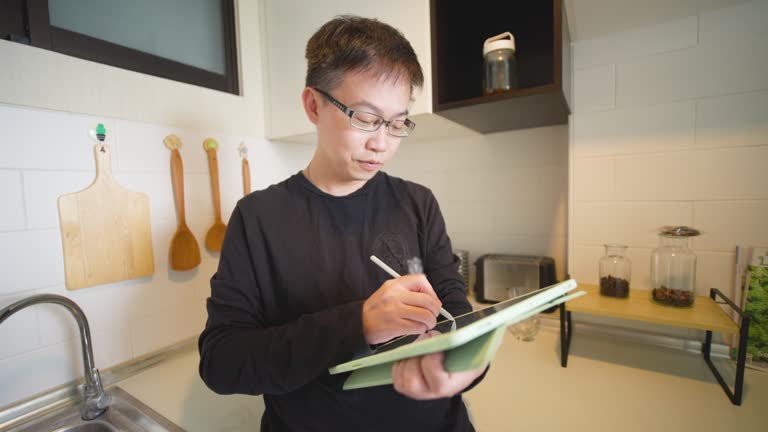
<point>286,302</point>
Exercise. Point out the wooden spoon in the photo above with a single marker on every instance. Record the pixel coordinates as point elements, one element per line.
<point>215,236</point>
<point>243,150</point>
<point>184,253</point>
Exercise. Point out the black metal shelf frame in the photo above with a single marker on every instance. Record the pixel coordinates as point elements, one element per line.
<point>735,395</point>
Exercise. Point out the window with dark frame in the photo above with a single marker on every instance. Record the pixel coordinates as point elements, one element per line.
<point>205,53</point>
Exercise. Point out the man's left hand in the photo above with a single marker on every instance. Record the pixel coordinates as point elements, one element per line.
<point>425,377</point>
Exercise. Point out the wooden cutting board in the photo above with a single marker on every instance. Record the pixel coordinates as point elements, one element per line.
<point>105,230</point>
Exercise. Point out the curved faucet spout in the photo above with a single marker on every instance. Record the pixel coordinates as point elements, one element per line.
<point>96,401</point>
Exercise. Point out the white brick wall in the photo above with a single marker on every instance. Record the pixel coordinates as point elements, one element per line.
<point>12,218</point>
<point>499,193</point>
<point>47,154</point>
<point>670,126</point>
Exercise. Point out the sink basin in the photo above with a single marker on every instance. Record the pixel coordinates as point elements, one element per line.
<point>91,426</point>
<point>125,414</point>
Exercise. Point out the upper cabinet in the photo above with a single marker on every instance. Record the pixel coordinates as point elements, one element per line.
<point>288,26</point>
<point>448,39</point>
<point>542,55</point>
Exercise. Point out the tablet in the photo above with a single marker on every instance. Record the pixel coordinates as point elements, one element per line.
<point>466,328</point>
<point>473,355</point>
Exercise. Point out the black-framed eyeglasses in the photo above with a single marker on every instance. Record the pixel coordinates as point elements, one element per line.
<point>370,122</point>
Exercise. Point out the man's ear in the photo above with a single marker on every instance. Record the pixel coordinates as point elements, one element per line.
<point>311,105</point>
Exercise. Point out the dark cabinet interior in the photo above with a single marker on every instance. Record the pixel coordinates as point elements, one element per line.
<point>459,30</point>
<point>12,21</point>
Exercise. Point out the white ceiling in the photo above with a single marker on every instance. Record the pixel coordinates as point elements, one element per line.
<point>588,19</point>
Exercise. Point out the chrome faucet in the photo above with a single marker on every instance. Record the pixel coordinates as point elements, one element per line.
<point>95,401</point>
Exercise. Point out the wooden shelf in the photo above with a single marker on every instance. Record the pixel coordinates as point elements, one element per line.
<point>705,314</point>
<point>543,50</point>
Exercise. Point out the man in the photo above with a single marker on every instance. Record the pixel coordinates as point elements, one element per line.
<point>295,292</point>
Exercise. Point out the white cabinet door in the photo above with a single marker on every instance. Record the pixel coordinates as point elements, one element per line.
<point>289,25</point>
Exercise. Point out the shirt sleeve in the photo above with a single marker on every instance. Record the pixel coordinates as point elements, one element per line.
<point>241,353</point>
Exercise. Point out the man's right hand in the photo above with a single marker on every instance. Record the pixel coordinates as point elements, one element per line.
<point>406,305</point>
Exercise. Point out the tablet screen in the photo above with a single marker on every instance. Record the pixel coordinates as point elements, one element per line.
<point>461,321</point>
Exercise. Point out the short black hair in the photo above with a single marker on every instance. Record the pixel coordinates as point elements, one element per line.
<point>350,43</point>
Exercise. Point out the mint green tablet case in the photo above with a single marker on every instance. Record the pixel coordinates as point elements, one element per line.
<point>472,355</point>
<point>535,303</point>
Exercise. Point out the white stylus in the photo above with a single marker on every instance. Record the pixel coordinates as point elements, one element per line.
<point>394,274</point>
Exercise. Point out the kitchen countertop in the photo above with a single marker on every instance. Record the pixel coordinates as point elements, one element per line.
<point>174,389</point>
<point>605,375</point>
<point>524,382</point>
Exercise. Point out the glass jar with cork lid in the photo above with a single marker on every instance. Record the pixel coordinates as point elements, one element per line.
<point>673,267</point>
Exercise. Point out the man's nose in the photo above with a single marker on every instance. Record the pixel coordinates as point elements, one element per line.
<point>378,140</point>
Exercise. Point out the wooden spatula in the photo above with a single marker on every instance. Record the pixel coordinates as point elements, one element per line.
<point>215,236</point>
<point>184,252</point>
<point>243,150</point>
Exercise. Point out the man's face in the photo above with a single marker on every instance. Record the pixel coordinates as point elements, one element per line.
<point>349,153</point>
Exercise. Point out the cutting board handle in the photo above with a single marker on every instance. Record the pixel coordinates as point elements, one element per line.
<point>177,176</point>
<point>103,155</point>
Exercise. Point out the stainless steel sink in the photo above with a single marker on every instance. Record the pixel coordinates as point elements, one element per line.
<point>91,426</point>
<point>125,414</point>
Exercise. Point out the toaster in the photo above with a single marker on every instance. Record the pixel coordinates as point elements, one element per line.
<point>500,277</point>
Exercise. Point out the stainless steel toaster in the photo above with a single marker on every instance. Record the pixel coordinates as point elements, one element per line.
<point>500,277</point>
